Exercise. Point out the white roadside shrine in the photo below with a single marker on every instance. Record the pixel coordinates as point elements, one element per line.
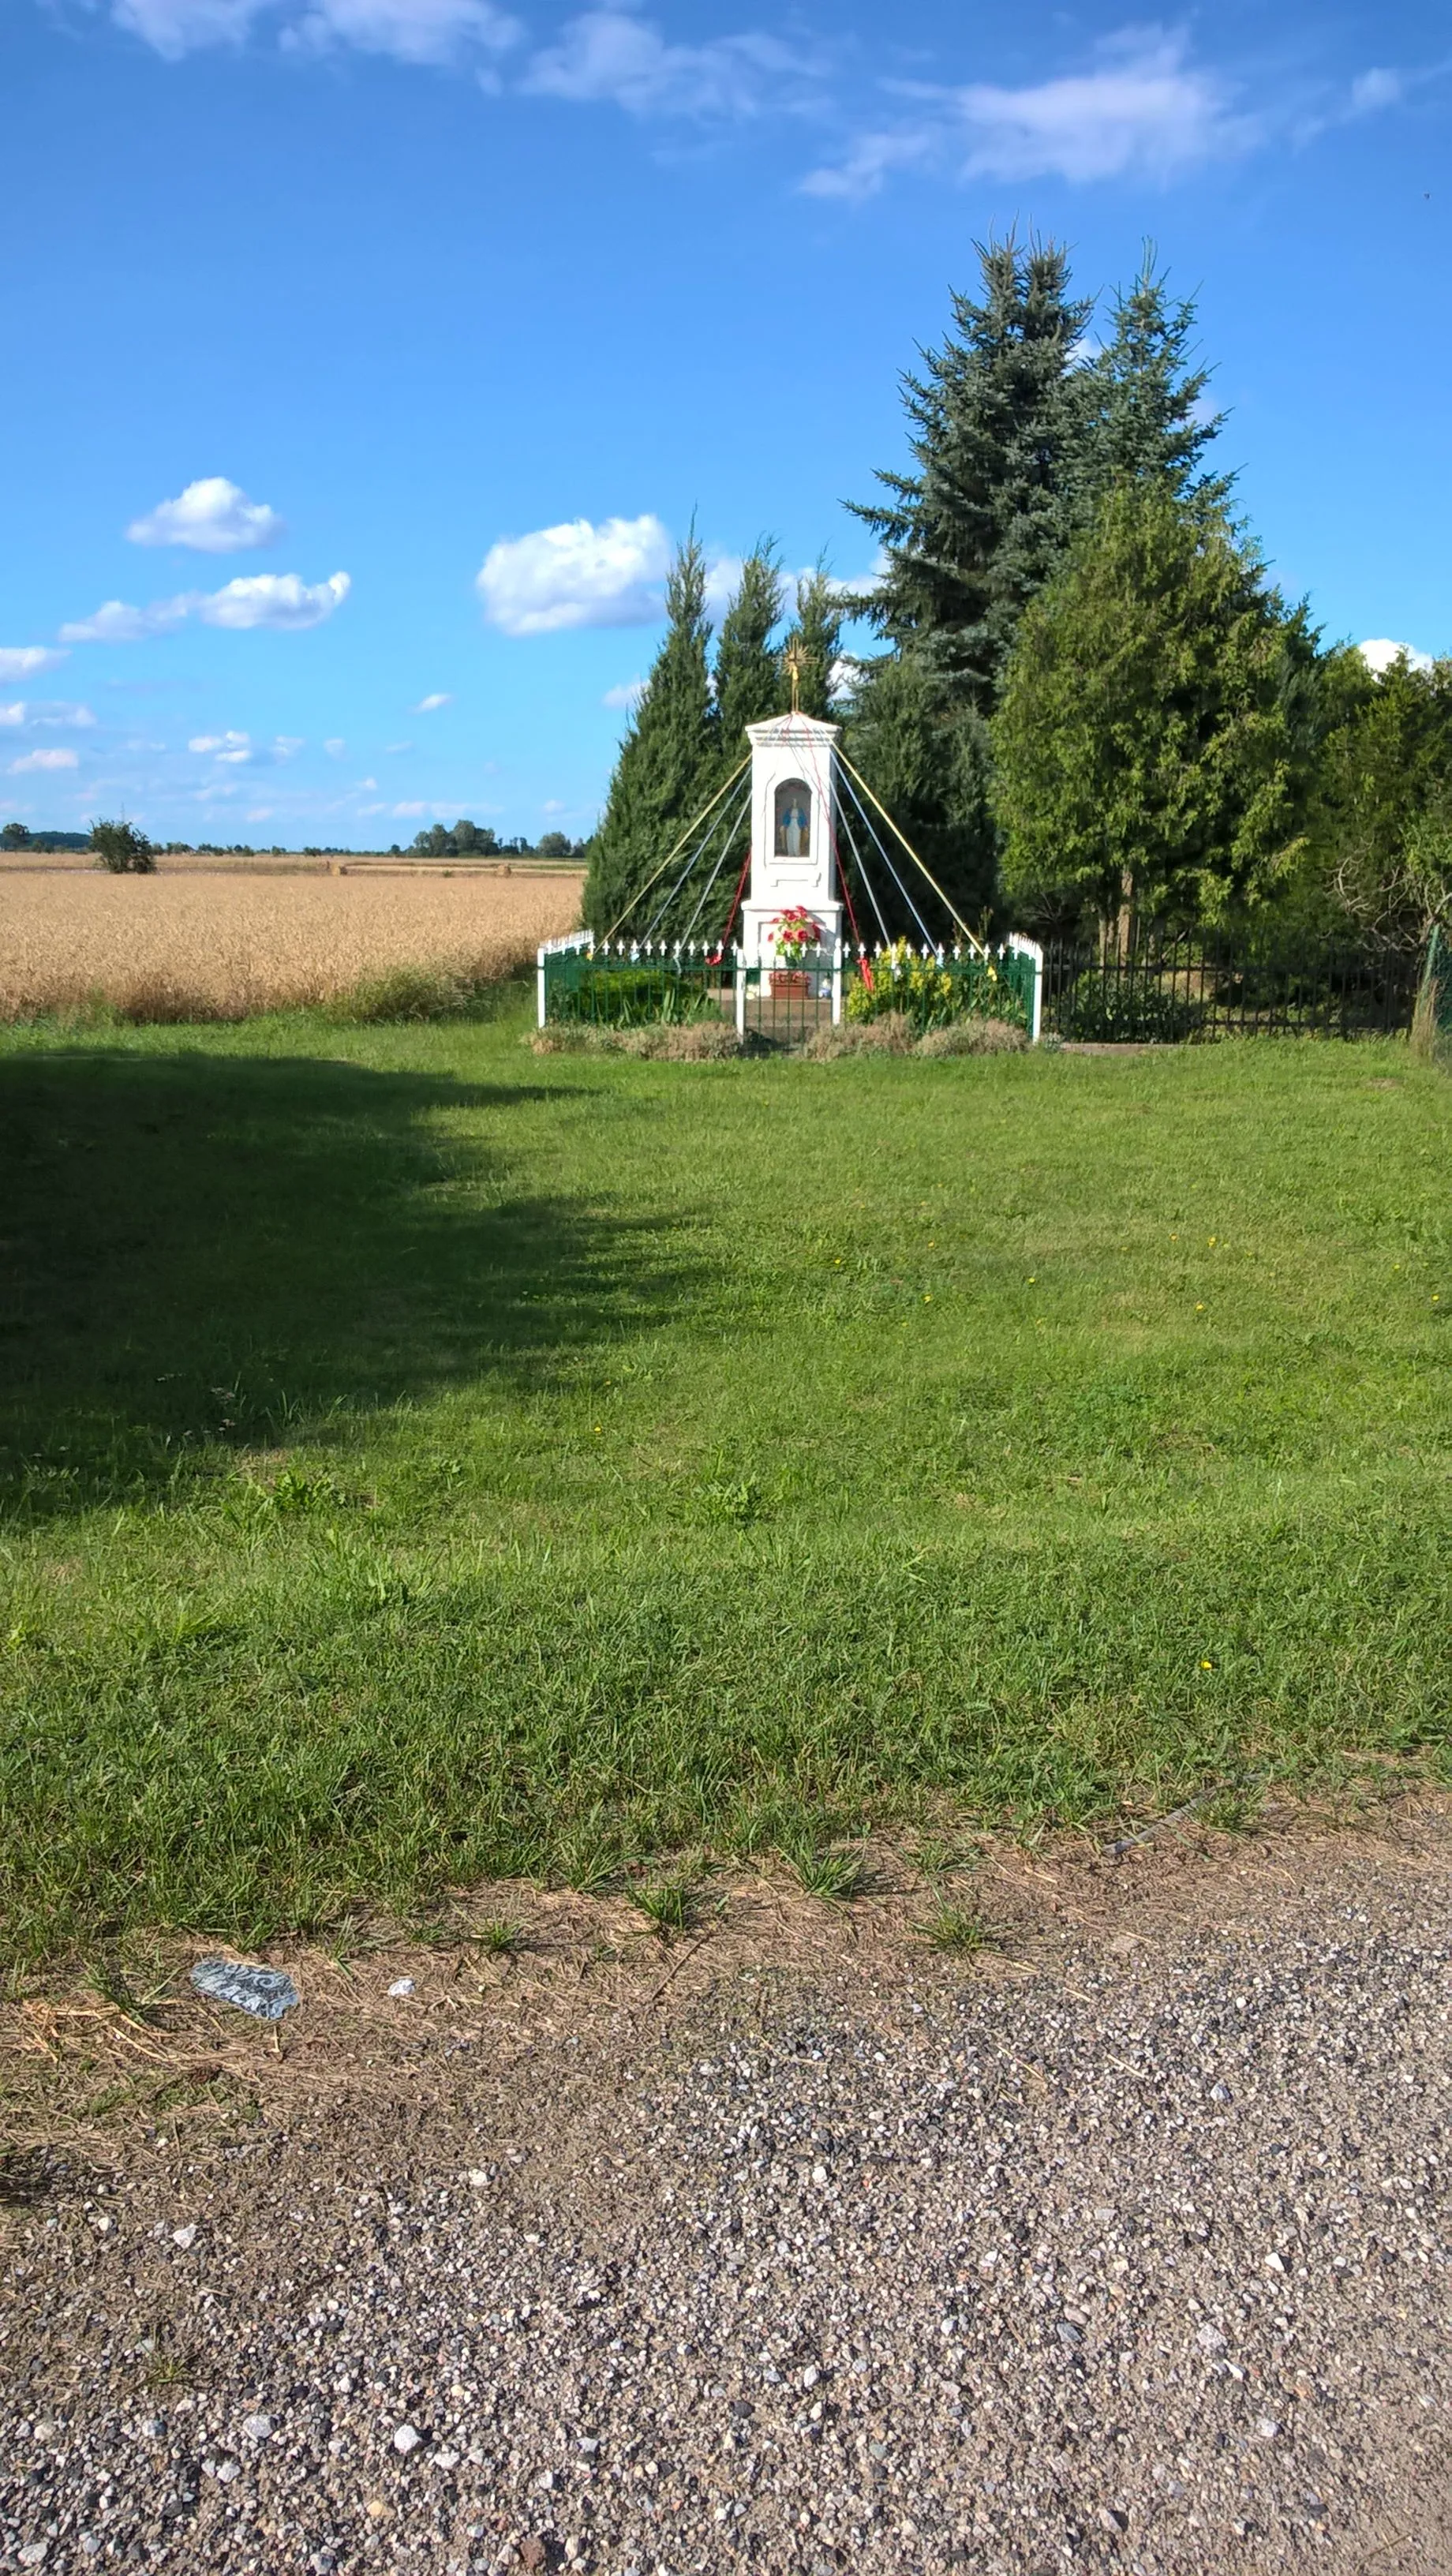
<point>794,794</point>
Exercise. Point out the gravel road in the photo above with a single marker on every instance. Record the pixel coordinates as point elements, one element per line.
<point>1124,2247</point>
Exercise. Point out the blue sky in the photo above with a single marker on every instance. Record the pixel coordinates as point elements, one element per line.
<point>366,355</point>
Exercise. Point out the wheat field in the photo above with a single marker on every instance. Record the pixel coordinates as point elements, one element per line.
<point>208,947</point>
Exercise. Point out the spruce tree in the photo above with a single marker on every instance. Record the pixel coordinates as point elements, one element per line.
<point>1144,397</point>
<point>997,440</point>
<point>748,672</point>
<point>668,767</point>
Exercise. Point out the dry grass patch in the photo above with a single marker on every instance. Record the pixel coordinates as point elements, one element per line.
<point>177,948</point>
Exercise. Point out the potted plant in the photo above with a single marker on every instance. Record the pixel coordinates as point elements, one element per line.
<point>792,934</point>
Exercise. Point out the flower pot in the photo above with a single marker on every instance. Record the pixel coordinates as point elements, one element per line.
<point>789,982</point>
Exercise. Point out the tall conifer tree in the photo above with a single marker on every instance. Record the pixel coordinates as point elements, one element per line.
<point>669,760</point>
<point>1145,755</point>
<point>748,672</point>
<point>814,643</point>
<point>997,442</point>
<point>1145,397</point>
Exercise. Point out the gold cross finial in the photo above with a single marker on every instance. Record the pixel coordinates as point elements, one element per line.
<point>796,663</point>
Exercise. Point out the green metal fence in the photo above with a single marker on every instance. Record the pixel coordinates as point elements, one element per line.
<point>616,984</point>
<point>781,1002</point>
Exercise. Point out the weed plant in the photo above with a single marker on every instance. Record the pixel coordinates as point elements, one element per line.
<point>957,1928</point>
<point>424,1462</point>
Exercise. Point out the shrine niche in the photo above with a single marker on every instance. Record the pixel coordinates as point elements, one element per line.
<point>793,839</point>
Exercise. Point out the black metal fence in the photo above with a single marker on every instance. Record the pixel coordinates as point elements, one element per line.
<point>1202,986</point>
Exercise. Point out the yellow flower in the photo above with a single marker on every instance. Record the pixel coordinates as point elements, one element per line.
<point>1205,1664</point>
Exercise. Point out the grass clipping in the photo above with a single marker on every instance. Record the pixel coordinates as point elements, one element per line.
<point>182,948</point>
<point>710,1041</point>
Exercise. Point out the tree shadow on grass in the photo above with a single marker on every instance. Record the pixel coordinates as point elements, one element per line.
<point>201,1252</point>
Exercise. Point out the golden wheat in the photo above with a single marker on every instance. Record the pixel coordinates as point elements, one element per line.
<point>183,947</point>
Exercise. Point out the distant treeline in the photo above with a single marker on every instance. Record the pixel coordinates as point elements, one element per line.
<point>15,837</point>
<point>469,840</point>
<point>464,840</point>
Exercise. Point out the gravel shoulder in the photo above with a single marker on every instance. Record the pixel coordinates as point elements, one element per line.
<point>790,2245</point>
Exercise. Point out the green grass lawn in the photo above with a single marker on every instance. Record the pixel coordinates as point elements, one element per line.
<point>424,1460</point>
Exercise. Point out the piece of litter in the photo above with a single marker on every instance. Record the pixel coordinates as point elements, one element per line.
<point>401,1986</point>
<point>264,1992</point>
<point>185,2237</point>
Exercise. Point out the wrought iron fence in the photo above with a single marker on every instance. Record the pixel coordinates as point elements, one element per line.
<point>1160,989</point>
<point>1202,986</point>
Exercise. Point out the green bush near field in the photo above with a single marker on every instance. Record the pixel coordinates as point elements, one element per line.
<point>371,1394</point>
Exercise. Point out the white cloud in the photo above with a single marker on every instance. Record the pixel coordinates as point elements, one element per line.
<point>336,747</point>
<point>412,31</point>
<point>612,55</point>
<point>418,808</point>
<point>398,746</point>
<point>277,599</point>
<point>364,784</point>
<point>44,760</point>
<point>48,711</point>
<point>19,661</point>
<point>437,698</point>
<point>286,745</point>
<point>213,517</point>
<point>115,622</point>
<point>177,27</point>
<point>1376,89</point>
<point>625,695</point>
<point>234,748</point>
<point>1379,653</point>
<point>723,573</point>
<point>576,574</point>
<point>1144,111</point>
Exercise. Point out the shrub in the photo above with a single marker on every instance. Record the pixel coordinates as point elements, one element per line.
<point>632,996</point>
<point>123,850</point>
<point>1108,1011</point>
<point>931,992</point>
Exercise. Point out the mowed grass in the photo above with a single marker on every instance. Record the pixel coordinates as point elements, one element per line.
<point>425,1461</point>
